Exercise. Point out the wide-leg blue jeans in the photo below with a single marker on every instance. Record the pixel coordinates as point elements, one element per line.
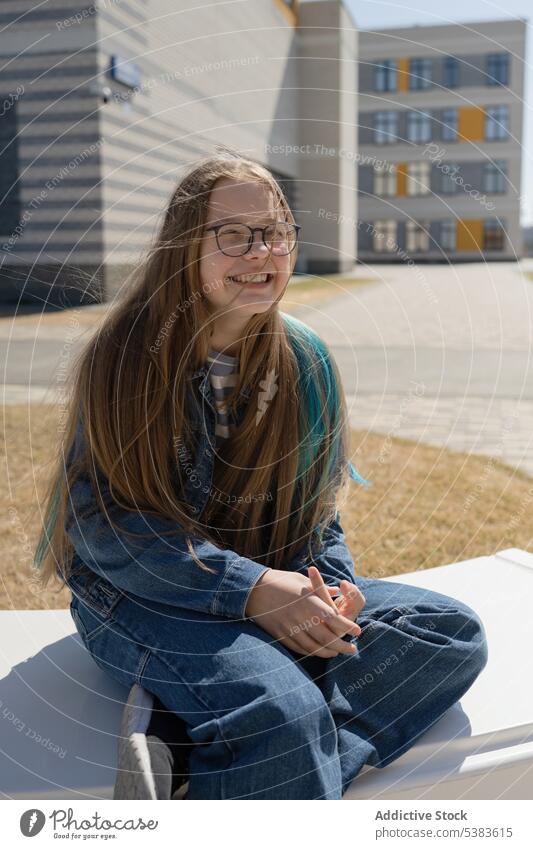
<point>267,723</point>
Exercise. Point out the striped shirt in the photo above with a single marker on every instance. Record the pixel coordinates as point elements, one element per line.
<point>223,373</point>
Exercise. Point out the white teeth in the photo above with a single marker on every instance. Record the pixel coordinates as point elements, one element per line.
<point>251,278</point>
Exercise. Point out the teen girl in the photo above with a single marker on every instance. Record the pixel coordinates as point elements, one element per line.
<point>194,515</point>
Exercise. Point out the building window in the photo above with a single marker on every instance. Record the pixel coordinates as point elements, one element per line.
<point>493,236</point>
<point>449,172</point>
<point>418,126</point>
<point>497,69</point>
<point>447,235</point>
<point>496,122</point>
<point>386,127</point>
<point>385,180</point>
<point>449,125</point>
<point>450,72</point>
<point>417,182</point>
<point>420,74</point>
<point>384,236</point>
<point>495,176</point>
<point>416,236</point>
<point>385,76</point>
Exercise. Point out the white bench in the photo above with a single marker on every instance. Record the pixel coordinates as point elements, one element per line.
<point>60,714</point>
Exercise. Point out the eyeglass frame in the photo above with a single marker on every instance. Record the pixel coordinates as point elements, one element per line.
<point>217,227</point>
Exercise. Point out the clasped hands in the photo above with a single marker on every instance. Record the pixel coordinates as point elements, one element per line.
<point>301,613</point>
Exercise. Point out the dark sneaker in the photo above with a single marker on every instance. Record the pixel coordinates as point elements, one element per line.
<point>152,750</point>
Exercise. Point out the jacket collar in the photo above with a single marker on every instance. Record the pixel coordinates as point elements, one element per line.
<point>245,391</point>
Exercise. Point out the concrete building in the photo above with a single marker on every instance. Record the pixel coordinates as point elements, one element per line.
<point>103,108</point>
<point>440,142</point>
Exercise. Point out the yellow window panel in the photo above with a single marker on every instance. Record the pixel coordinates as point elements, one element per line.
<point>471,125</point>
<point>469,234</point>
<point>403,74</point>
<point>401,178</point>
<point>289,10</point>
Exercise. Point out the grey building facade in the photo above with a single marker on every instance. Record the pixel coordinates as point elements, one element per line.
<point>103,107</point>
<point>440,142</point>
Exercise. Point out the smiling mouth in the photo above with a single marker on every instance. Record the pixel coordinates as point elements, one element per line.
<point>257,279</point>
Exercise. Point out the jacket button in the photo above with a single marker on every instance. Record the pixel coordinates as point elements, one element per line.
<point>194,510</point>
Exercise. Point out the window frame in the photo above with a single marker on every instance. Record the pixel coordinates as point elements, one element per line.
<point>384,224</point>
<point>385,137</point>
<point>494,77</point>
<point>496,227</point>
<point>451,225</point>
<point>447,186</point>
<point>500,127</point>
<point>418,177</point>
<point>450,62</point>
<point>416,120</point>
<point>388,69</point>
<point>446,126</point>
<point>417,81</point>
<point>495,170</point>
<point>417,229</point>
<point>385,181</point>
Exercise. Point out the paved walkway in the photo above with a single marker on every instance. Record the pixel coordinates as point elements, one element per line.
<point>440,354</point>
<point>500,428</point>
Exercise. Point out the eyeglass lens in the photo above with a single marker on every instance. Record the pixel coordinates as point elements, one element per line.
<point>234,239</point>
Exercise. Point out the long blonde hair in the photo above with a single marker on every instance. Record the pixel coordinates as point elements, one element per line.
<point>283,471</point>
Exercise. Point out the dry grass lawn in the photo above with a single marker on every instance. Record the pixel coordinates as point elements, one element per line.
<point>426,507</point>
<point>313,290</point>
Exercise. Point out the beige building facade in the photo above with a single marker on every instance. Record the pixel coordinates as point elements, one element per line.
<point>440,142</point>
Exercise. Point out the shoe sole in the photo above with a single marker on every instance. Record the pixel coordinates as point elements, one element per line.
<point>134,778</point>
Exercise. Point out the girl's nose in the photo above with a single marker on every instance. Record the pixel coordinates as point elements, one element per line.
<point>258,247</point>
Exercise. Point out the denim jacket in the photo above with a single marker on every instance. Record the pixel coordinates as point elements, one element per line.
<point>160,568</point>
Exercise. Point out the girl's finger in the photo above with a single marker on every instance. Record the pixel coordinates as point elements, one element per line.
<point>329,641</point>
<point>353,595</point>
<point>341,625</point>
<point>319,650</point>
<point>327,614</point>
<point>346,609</point>
<point>321,609</point>
<point>312,644</point>
<point>319,586</point>
<point>291,644</point>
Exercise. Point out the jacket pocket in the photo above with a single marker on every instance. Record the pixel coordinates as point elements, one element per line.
<point>94,601</point>
<point>94,591</point>
<point>87,623</point>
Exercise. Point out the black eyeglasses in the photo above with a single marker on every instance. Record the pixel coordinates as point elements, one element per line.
<point>237,239</point>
